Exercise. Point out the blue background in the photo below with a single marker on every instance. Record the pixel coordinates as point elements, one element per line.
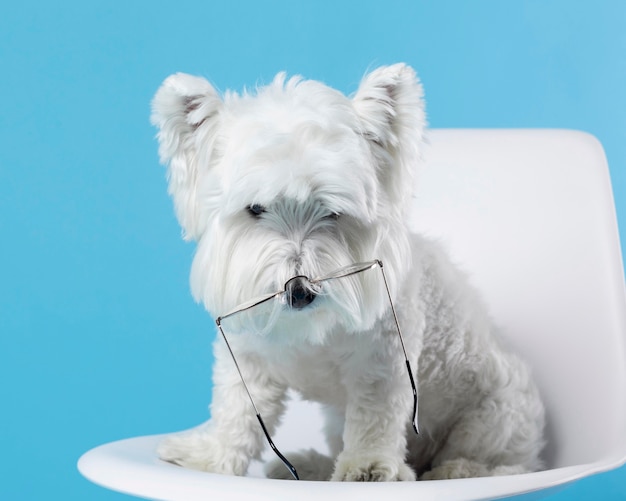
<point>100,339</point>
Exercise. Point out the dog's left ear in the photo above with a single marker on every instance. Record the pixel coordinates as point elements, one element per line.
<point>186,109</point>
<point>391,107</point>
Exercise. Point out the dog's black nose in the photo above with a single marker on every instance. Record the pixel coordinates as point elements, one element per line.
<point>298,294</point>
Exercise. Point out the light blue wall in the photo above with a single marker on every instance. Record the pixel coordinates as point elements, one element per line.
<point>99,337</point>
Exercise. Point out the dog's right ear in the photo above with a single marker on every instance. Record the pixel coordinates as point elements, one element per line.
<point>186,110</point>
<point>391,107</point>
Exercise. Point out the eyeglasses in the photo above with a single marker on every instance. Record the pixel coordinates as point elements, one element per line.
<point>298,292</point>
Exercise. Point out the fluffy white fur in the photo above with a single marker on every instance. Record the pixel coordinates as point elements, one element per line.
<point>334,176</point>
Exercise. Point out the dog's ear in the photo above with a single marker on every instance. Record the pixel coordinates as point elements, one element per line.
<point>186,110</point>
<point>390,104</point>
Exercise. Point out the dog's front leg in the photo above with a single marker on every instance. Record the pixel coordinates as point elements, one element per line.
<point>232,437</point>
<point>377,412</point>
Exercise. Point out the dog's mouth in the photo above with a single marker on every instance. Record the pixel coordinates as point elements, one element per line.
<point>305,304</point>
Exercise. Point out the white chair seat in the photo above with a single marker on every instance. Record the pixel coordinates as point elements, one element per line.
<point>529,214</point>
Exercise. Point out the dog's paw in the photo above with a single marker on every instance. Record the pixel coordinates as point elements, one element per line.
<point>457,468</point>
<point>199,450</point>
<point>356,467</point>
<point>310,465</point>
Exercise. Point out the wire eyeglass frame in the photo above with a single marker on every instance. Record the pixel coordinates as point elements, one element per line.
<point>343,272</point>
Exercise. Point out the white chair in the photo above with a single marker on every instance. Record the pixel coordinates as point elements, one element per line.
<point>529,214</point>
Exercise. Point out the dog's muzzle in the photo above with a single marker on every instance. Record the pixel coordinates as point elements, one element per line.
<point>300,292</point>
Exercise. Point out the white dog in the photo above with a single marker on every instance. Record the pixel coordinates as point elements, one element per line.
<point>298,180</point>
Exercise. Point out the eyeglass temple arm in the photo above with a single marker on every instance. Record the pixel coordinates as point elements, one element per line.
<point>414,422</point>
<point>285,461</point>
<point>289,466</point>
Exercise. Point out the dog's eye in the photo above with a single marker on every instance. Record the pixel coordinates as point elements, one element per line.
<point>255,210</point>
<point>333,216</point>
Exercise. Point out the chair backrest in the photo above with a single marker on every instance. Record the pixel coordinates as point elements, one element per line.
<point>529,215</point>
